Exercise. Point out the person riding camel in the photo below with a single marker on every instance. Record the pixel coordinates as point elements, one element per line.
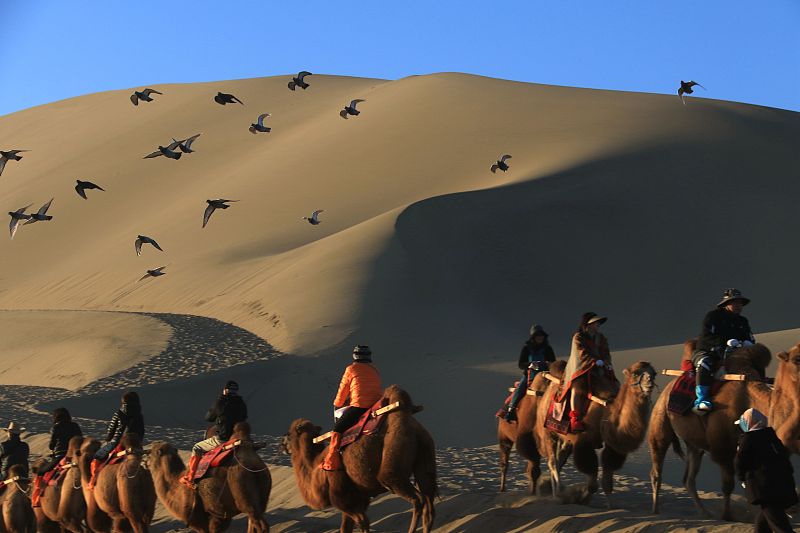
<point>61,432</point>
<point>589,351</point>
<point>535,355</point>
<point>359,389</point>
<point>13,451</point>
<point>723,324</point>
<point>228,410</point>
<point>127,419</point>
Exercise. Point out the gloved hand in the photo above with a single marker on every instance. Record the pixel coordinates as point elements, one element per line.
<point>744,485</point>
<point>747,343</point>
<point>600,363</point>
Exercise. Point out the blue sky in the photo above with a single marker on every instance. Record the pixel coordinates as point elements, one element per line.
<point>742,51</point>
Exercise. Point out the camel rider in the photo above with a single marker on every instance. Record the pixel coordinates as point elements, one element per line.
<point>359,389</point>
<point>535,355</point>
<point>61,432</point>
<point>127,419</point>
<point>589,351</point>
<point>13,451</point>
<point>228,410</point>
<point>723,324</point>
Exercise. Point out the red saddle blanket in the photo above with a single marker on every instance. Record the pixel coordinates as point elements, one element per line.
<point>215,457</point>
<point>557,419</point>
<point>51,477</point>
<point>683,393</point>
<point>366,425</point>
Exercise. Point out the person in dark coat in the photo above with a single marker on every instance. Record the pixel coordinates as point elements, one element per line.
<point>227,411</point>
<point>13,451</point>
<point>763,466</point>
<point>534,357</point>
<point>61,432</point>
<point>720,325</point>
<point>127,419</point>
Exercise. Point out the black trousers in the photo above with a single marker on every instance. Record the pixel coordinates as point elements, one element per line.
<point>349,418</point>
<point>773,518</point>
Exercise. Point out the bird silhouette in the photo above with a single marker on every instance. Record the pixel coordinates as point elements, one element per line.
<point>144,96</point>
<point>298,81</point>
<point>154,273</point>
<point>143,239</point>
<point>314,218</point>
<point>350,109</point>
<point>225,98</point>
<point>185,145</point>
<point>168,151</point>
<point>213,205</point>
<point>11,155</point>
<point>501,164</point>
<point>255,128</point>
<point>41,215</point>
<point>686,88</point>
<point>16,216</point>
<point>83,186</point>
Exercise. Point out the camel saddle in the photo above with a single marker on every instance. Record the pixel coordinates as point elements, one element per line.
<point>51,477</point>
<point>213,458</point>
<point>368,424</point>
<point>117,455</point>
<point>503,410</point>
<point>683,393</point>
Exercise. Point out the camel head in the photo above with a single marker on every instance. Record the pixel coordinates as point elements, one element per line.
<point>164,457</point>
<point>17,470</point>
<point>74,448</point>
<point>299,431</point>
<point>37,465</point>
<point>641,378</point>
<point>241,431</point>
<point>87,451</point>
<point>789,366</point>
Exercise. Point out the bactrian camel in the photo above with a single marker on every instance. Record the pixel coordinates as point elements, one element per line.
<point>17,515</point>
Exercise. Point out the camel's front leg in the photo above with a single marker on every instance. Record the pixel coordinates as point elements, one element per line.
<point>505,450</point>
<point>694,458</point>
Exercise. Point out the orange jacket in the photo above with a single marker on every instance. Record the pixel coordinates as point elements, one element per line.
<point>361,383</point>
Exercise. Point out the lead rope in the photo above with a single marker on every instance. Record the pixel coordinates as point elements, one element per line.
<point>248,469</point>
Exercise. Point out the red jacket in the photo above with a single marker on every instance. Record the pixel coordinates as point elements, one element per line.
<point>361,384</point>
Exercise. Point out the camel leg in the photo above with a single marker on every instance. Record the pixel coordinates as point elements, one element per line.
<point>694,458</point>
<point>611,461</point>
<point>404,489</point>
<point>217,524</point>
<point>563,451</point>
<point>585,460</point>
<point>555,472</point>
<point>505,450</point>
<point>658,451</point>
<point>728,479</point>
<point>347,524</point>
<point>533,471</point>
<point>426,488</point>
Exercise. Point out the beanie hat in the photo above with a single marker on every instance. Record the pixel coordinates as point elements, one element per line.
<point>362,353</point>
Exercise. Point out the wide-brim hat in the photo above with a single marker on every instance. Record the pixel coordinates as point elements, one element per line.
<point>731,295</point>
<point>596,319</point>
<point>13,427</point>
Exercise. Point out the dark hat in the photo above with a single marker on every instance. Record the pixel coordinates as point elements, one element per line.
<point>730,295</point>
<point>362,353</point>
<point>536,329</point>
<point>232,385</point>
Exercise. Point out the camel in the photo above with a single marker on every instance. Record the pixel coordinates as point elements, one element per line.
<point>97,519</point>
<point>715,432</point>
<point>124,491</point>
<point>16,506</point>
<point>62,505</point>
<point>376,463</point>
<point>619,428</point>
<point>241,484</point>
<point>522,433</point>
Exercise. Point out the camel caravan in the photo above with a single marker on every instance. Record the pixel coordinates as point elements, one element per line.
<point>85,484</point>
<point>573,409</point>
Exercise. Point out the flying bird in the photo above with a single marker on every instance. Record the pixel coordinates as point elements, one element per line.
<point>686,88</point>
<point>143,239</point>
<point>16,216</point>
<point>350,109</point>
<point>185,145</point>
<point>212,205</point>
<point>298,81</point>
<point>224,98</point>
<point>153,273</point>
<point>41,215</point>
<point>11,155</point>
<point>82,186</point>
<point>144,96</point>
<point>168,151</point>
<point>314,218</point>
<point>501,164</point>
<point>255,128</point>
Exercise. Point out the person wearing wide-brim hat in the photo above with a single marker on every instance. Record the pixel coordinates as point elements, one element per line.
<point>589,351</point>
<point>722,326</point>
<point>13,451</point>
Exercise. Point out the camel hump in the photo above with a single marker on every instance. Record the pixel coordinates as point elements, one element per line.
<point>394,393</point>
<point>756,357</point>
<point>557,368</point>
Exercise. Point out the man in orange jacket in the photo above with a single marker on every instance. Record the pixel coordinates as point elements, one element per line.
<point>359,389</point>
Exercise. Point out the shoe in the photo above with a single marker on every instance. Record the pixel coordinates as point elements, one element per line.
<point>511,414</point>
<point>188,478</point>
<point>575,424</point>
<point>333,460</point>
<point>702,405</point>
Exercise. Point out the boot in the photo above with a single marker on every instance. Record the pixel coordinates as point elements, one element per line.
<point>94,468</point>
<point>575,423</point>
<point>702,405</point>
<point>333,461</point>
<point>36,495</point>
<point>188,478</point>
<point>511,414</point>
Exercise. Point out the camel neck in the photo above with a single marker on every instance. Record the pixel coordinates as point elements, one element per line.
<point>627,420</point>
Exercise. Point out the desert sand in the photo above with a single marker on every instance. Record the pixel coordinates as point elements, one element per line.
<point>627,204</point>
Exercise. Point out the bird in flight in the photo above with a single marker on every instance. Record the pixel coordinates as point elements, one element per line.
<point>225,98</point>
<point>212,206</point>
<point>259,126</point>
<point>10,155</point>
<point>298,81</point>
<point>154,273</point>
<point>314,218</point>
<point>168,151</point>
<point>500,164</point>
<point>16,216</point>
<point>185,145</point>
<point>83,186</point>
<point>687,88</point>
<point>144,96</point>
<point>144,239</point>
<point>41,215</point>
<point>351,109</point>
